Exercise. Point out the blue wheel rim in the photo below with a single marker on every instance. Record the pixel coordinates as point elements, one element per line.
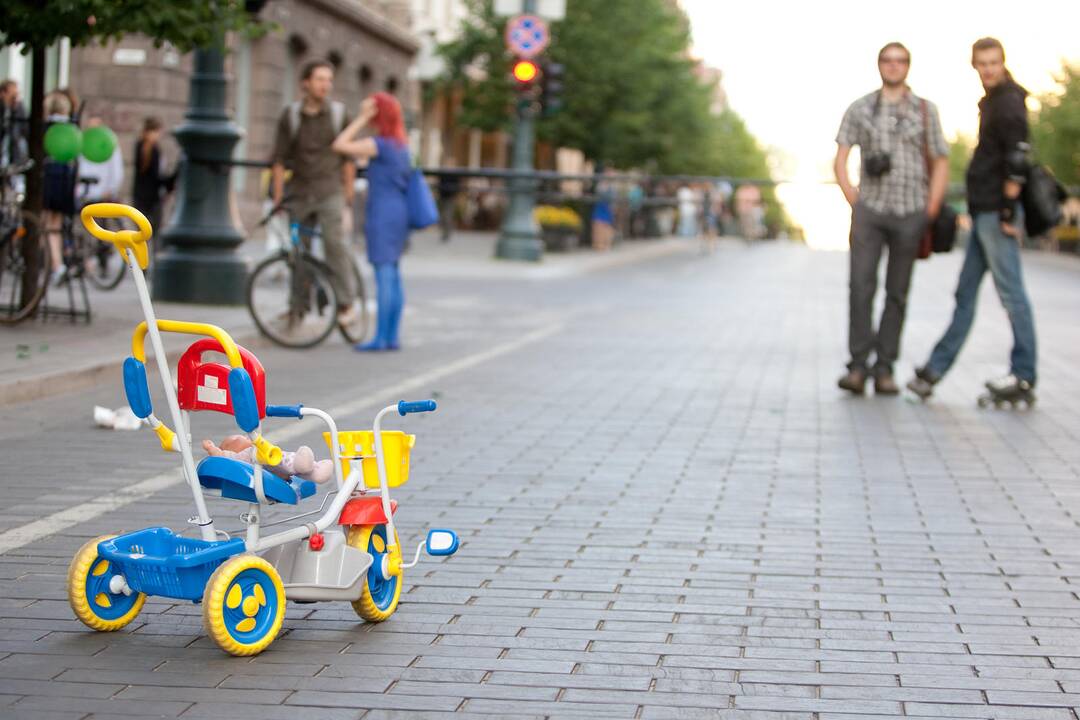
<point>264,613</point>
<point>382,590</point>
<point>118,605</point>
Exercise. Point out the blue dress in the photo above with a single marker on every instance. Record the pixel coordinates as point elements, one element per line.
<point>386,222</point>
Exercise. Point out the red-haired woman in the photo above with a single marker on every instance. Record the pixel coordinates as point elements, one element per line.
<point>386,223</point>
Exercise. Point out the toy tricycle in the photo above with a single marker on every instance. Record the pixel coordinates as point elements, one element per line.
<point>350,552</point>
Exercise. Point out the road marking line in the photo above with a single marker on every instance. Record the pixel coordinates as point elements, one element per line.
<point>52,524</point>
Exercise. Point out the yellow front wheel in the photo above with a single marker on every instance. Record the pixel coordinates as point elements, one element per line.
<point>90,595</point>
<point>380,596</point>
<point>244,605</point>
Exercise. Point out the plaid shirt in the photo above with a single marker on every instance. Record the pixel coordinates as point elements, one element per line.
<point>896,129</point>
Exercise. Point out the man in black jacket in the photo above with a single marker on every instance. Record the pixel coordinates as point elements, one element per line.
<point>995,177</point>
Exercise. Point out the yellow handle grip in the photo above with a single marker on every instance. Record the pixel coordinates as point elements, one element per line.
<point>266,452</point>
<point>134,240</point>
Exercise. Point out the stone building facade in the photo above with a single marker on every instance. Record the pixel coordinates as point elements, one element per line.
<point>369,42</point>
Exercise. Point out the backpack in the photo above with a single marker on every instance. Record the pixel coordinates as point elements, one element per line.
<point>1042,199</point>
<point>337,117</point>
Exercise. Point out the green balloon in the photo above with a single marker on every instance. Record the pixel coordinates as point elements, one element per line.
<point>63,142</point>
<point>98,144</point>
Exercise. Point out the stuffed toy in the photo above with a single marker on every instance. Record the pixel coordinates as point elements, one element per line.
<point>301,463</point>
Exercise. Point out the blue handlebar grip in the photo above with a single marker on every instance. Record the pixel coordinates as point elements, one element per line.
<point>417,406</point>
<point>292,411</point>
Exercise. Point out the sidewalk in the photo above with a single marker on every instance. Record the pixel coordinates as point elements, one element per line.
<point>45,358</point>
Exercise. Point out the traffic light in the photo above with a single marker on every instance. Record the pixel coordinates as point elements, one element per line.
<point>552,88</point>
<point>525,73</point>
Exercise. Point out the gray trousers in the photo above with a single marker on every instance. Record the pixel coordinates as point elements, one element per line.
<point>326,213</point>
<point>871,232</point>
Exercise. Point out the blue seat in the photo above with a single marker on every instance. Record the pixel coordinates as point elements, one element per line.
<point>236,481</point>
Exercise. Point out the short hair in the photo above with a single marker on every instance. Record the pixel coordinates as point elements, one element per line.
<point>57,103</point>
<point>152,123</point>
<point>310,68</point>
<point>890,46</point>
<point>986,43</point>
<point>7,85</point>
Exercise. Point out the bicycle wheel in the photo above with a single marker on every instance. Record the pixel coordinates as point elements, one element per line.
<point>291,300</point>
<point>357,330</point>
<point>103,265</point>
<point>22,259</point>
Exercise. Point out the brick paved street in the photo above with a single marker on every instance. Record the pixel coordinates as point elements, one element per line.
<point>667,510</point>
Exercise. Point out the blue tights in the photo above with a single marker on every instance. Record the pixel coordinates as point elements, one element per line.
<point>390,297</point>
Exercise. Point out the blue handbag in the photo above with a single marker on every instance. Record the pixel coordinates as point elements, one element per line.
<point>419,203</point>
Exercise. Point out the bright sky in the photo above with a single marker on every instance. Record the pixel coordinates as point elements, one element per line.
<point>791,69</point>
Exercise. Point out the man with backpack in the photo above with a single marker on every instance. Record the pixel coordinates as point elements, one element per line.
<point>995,178</point>
<point>322,181</point>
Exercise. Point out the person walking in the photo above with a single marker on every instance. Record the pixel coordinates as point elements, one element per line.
<point>321,186</point>
<point>897,196</point>
<point>449,187</point>
<point>151,182</point>
<point>386,218</point>
<point>998,169</point>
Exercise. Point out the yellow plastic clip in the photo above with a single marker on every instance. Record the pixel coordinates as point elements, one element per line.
<point>166,436</point>
<point>134,240</point>
<point>266,452</point>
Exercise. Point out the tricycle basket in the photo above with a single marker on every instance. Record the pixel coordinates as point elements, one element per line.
<point>155,561</point>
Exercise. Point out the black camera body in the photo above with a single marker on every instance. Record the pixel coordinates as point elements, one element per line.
<point>877,164</point>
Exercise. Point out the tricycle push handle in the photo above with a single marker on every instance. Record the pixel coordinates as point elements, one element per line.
<point>416,406</point>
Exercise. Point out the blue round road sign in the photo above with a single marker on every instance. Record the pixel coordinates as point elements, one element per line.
<point>527,35</point>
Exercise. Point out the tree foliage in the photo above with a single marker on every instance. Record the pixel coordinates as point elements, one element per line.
<point>187,25</point>
<point>1055,129</point>
<point>632,96</point>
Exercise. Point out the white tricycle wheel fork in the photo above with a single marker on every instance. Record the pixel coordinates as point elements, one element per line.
<point>380,461</point>
<point>256,543</point>
<point>205,522</point>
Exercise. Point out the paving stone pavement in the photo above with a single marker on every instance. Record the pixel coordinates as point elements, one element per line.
<point>667,510</point>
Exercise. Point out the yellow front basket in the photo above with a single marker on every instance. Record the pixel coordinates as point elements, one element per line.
<point>396,448</point>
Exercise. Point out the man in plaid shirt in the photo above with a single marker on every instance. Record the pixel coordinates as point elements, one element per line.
<point>896,198</point>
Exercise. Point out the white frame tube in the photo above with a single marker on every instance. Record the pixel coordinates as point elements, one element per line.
<point>206,523</point>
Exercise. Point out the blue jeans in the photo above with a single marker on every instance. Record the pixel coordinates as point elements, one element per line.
<point>390,299</point>
<point>989,249</point>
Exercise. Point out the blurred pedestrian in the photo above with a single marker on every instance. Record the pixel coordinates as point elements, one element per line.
<point>59,189</point>
<point>449,187</point>
<point>995,178</point>
<point>386,224</point>
<point>896,197</point>
<point>151,182</point>
<point>321,186</point>
<point>101,181</point>
<point>688,211</point>
<point>14,124</point>
<point>603,216</point>
<point>750,212</point>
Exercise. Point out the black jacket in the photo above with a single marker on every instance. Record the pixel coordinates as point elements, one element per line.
<point>1003,125</point>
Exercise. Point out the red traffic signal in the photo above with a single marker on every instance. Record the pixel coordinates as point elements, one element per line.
<point>525,71</point>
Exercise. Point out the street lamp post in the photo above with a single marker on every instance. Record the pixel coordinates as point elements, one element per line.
<point>198,262</point>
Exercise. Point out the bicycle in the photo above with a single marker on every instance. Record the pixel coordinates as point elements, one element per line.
<point>83,250</point>
<point>290,296</point>
<point>21,256</point>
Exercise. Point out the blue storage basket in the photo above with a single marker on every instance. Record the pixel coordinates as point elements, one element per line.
<point>155,561</point>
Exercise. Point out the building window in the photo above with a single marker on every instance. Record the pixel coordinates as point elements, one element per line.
<point>391,84</point>
<point>365,77</point>
<point>335,59</point>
